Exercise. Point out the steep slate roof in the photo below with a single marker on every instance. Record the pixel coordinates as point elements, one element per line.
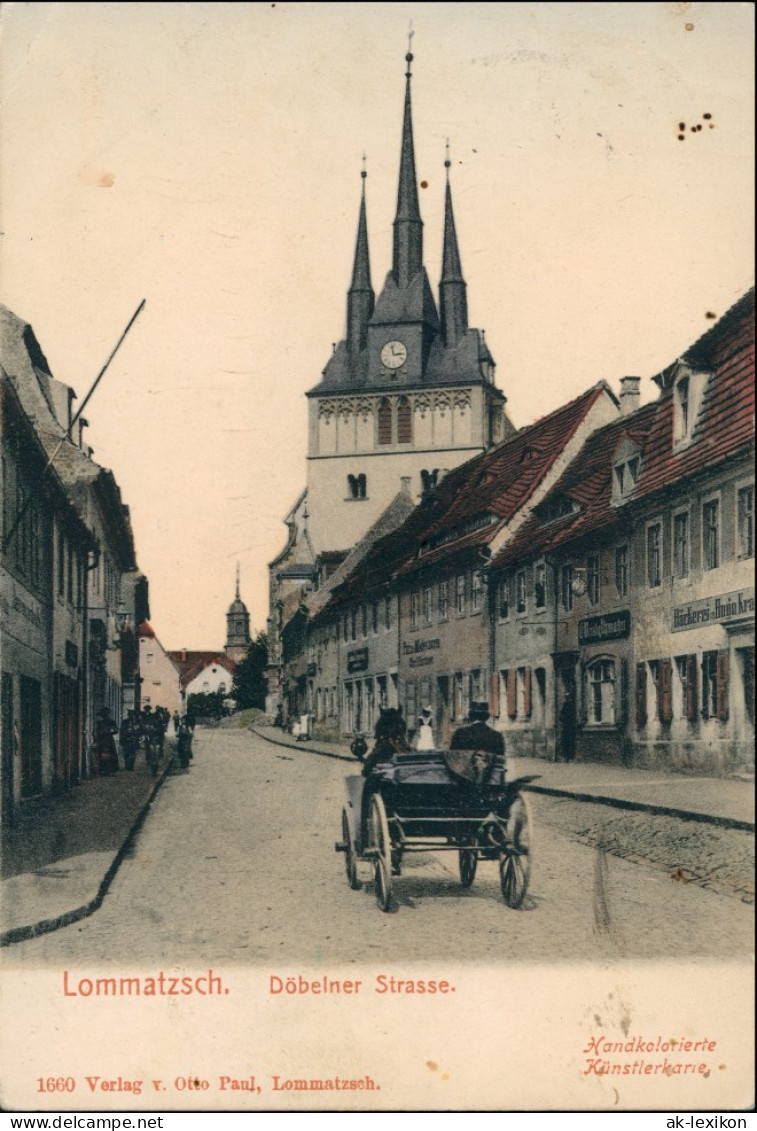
<point>726,419</point>
<point>474,501</point>
<point>725,428</point>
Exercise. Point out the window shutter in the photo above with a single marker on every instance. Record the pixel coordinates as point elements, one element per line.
<point>691,688</point>
<point>494,695</point>
<point>722,685</point>
<point>623,692</point>
<point>641,695</point>
<point>512,698</point>
<point>527,692</point>
<point>666,691</point>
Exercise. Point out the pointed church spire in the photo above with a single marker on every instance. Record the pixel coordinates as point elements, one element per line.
<point>360,298</point>
<point>452,292</point>
<point>408,226</point>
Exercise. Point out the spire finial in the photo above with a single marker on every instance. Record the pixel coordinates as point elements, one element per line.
<point>364,172</point>
<point>447,161</point>
<point>409,56</point>
<point>237,581</point>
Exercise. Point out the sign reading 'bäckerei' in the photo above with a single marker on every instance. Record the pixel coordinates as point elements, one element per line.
<point>610,626</point>
<point>713,610</point>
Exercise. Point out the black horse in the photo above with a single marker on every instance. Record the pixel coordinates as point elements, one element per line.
<point>390,734</point>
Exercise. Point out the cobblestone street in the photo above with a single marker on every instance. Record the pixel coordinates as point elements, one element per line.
<point>236,863</point>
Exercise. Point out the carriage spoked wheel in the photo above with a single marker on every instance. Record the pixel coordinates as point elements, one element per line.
<point>381,845</point>
<point>467,860</point>
<point>350,860</point>
<point>516,856</point>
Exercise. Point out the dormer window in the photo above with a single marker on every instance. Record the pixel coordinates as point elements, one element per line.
<point>626,470</point>
<point>688,392</point>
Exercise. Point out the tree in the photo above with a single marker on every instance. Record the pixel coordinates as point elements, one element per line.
<point>249,677</point>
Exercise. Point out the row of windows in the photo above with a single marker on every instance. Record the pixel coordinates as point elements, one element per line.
<point>462,594</point>
<point>357,484</point>
<point>711,532</point>
<point>683,688</point>
<point>21,525</point>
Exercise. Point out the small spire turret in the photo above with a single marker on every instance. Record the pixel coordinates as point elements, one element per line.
<point>360,298</point>
<point>453,300</point>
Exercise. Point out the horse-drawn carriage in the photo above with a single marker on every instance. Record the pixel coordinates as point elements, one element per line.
<point>436,801</point>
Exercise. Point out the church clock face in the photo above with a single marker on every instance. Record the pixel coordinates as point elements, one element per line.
<point>393,355</point>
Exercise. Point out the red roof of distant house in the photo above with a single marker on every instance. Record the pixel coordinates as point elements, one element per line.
<point>190,664</point>
<point>146,629</point>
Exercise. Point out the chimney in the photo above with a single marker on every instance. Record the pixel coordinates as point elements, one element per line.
<point>630,395</point>
<point>406,484</point>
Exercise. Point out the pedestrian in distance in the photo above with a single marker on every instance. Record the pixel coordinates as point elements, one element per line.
<point>424,739</point>
<point>105,743</point>
<point>128,738</point>
<point>184,744</point>
<point>567,740</point>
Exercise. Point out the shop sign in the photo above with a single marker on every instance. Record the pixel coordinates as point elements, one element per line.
<point>357,660</point>
<point>609,626</point>
<point>415,646</point>
<point>714,610</point>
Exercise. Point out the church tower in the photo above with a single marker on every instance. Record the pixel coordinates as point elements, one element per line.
<point>237,628</point>
<point>409,393</point>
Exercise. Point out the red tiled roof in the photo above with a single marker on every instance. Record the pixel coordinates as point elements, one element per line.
<point>146,629</point>
<point>726,419</point>
<point>473,501</point>
<point>588,483</point>
<point>190,664</point>
<point>725,428</point>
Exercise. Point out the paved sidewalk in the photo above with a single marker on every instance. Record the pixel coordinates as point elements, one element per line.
<point>728,802</point>
<point>59,858</point>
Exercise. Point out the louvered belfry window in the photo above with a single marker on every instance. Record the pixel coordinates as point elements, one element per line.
<point>404,422</point>
<point>385,422</point>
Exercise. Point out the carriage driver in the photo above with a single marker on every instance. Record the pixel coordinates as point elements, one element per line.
<point>477,735</point>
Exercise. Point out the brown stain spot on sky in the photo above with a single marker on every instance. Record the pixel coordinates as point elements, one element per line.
<point>106,180</point>
<point>710,314</point>
<point>424,184</point>
<point>689,27</point>
<point>432,1065</point>
<point>445,1075</point>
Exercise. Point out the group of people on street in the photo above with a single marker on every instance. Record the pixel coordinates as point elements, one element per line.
<point>140,730</point>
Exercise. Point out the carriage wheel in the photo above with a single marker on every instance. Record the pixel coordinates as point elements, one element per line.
<point>350,861</point>
<point>467,859</point>
<point>516,858</point>
<point>380,840</point>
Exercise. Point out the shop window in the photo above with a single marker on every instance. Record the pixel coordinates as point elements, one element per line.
<point>654,555</point>
<point>681,544</point>
<point>441,596</point>
<point>521,599</point>
<point>540,586</point>
<point>621,571</point>
<point>715,685</point>
<point>600,689</point>
<point>524,700</point>
<point>404,422</point>
<point>685,705</point>
<point>384,418</point>
<point>745,522</point>
<point>592,579</point>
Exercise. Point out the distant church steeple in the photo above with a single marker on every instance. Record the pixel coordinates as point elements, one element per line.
<point>408,226</point>
<point>237,627</point>
<point>453,302</point>
<point>360,298</point>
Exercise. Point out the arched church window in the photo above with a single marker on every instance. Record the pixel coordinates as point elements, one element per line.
<point>385,422</point>
<point>404,422</point>
<point>356,486</point>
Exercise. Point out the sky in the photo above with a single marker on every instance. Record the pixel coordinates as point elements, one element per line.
<point>207,157</point>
